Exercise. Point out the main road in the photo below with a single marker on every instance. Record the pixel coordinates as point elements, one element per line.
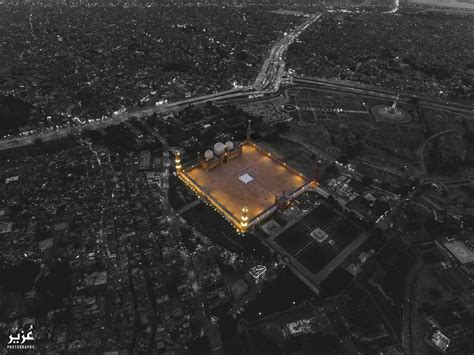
<point>268,81</point>
<point>269,78</point>
<point>383,93</point>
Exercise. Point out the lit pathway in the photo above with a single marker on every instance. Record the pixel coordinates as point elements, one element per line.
<point>334,263</point>
<point>421,151</point>
<point>189,206</point>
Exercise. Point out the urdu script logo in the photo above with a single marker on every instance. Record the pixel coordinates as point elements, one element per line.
<point>21,339</point>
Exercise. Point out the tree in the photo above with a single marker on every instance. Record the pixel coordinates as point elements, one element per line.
<point>331,169</point>
<point>414,101</point>
<point>331,200</point>
<point>435,293</point>
<point>385,185</point>
<point>343,160</point>
<point>14,113</point>
<point>282,127</point>
<point>354,149</point>
<point>425,308</point>
<point>272,137</point>
<point>378,233</point>
<point>366,181</point>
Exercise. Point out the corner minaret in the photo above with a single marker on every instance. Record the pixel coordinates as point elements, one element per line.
<point>244,219</point>
<point>177,161</point>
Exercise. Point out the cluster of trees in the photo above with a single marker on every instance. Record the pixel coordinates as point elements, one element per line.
<point>14,113</point>
<point>437,162</point>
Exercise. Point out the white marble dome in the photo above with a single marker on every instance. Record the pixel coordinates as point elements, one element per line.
<point>219,148</point>
<point>229,145</point>
<point>208,154</point>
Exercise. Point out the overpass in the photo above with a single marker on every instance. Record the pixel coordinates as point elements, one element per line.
<point>383,93</point>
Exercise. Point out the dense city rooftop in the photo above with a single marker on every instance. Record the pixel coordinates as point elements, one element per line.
<point>78,63</point>
<point>418,52</point>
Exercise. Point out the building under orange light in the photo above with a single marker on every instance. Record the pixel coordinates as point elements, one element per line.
<point>247,188</point>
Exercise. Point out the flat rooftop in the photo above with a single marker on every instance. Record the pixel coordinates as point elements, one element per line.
<point>460,251</point>
<point>253,179</point>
